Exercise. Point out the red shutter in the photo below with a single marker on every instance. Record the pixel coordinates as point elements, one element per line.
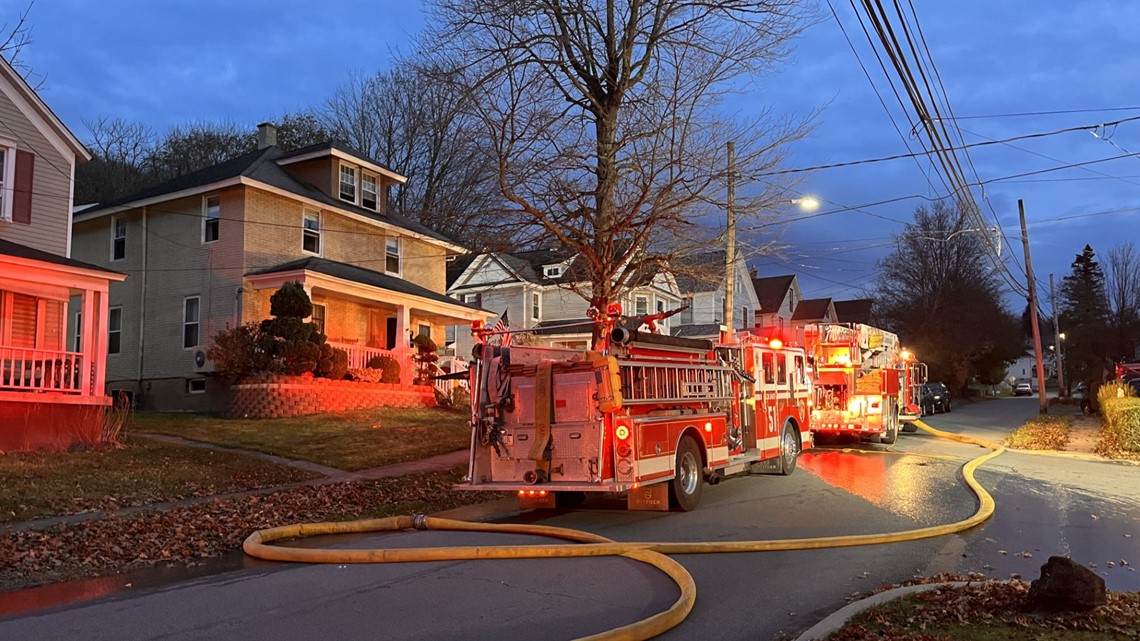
<point>22,199</point>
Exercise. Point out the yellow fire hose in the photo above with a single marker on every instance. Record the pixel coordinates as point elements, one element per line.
<point>588,544</point>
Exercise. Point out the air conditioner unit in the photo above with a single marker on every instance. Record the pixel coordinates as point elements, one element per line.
<point>201,363</point>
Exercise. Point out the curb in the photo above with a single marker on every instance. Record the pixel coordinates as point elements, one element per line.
<point>836,620</point>
<point>1078,456</point>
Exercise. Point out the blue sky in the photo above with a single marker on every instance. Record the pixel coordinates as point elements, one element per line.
<point>166,63</point>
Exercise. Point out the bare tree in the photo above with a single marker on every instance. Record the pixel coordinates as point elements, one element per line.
<point>119,150</point>
<point>1123,288</point>
<point>603,117</point>
<point>13,40</point>
<point>419,127</point>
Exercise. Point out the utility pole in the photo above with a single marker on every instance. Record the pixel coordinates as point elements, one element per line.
<point>1056,339</point>
<point>730,240</point>
<point>1044,407</point>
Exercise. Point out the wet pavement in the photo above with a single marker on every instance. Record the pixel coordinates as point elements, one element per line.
<point>1087,510</point>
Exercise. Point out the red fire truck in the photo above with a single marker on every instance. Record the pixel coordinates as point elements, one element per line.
<point>864,386</point>
<point>651,415</point>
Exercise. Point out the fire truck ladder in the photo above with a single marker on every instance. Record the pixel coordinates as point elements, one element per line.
<point>655,382</point>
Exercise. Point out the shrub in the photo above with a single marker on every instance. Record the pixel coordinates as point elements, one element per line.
<point>388,366</point>
<point>365,374</point>
<point>237,352</point>
<point>291,301</point>
<point>1113,390</point>
<point>1122,421</point>
<point>425,359</point>
<point>333,363</point>
<point>291,345</point>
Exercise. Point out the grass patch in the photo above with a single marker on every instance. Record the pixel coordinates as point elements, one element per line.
<point>1046,432</point>
<point>990,611</point>
<point>350,441</point>
<point>40,484</point>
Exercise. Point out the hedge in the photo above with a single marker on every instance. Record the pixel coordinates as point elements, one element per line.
<point>1122,420</point>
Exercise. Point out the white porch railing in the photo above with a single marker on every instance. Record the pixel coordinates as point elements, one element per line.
<point>358,356</point>
<point>43,370</point>
<point>451,364</point>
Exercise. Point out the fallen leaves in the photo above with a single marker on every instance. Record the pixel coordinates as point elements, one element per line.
<point>188,534</point>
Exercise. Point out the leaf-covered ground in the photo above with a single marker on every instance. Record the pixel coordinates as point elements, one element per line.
<point>1042,433</point>
<point>39,484</point>
<point>990,611</point>
<point>187,535</point>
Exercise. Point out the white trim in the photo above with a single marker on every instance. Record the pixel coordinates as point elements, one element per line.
<point>195,380</point>
<point>355,183</point>
<point>161,198</point>
<point>198,340</point>
<point>536,305</point>
<point>336,153</point>
<point>319,231</point>
<point>77,340</point>
<point>70,205</point>
<point>8,188</point>
<point>718,454</point>
<point>42,116</point>
<point>94,275</point>
<point>367,175</point>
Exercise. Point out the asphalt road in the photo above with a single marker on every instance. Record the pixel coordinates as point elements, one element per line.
<point>1045,506</point>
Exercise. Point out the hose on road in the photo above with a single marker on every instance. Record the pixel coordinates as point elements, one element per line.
<point>586,544</point>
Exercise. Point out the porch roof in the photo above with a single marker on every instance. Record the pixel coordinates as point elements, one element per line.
<point>362,276</point>
<point>16,250</point>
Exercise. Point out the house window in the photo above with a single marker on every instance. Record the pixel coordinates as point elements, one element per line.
<point>392,255</point>
<point>348,183</point>
<point>424,330</point>
<point>118,237</point>
<point>744,317</point>
<point>78,339</point>
<point>319,317</point>
<point>196,386</point>
<point>191,321</point>
<point>211,219</point>
<point>473,299</point>
<point>641,305</point>
<point>7,179</point>
<point>552,271</point>
<point>114,330</point>
<point>535,305</point>
<point>311,232</point>
<point>687,313</point>
<point>370,193</point>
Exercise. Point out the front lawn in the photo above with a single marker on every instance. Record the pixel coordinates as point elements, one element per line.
<point>348,441</point>
<point>40,484</point>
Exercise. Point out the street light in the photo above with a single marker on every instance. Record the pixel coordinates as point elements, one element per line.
<point>807,203</point>
<point>1061,362</point>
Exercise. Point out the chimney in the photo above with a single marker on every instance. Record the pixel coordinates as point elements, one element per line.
<point>266,135</point>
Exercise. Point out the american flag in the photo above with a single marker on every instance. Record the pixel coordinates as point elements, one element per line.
<point>503,325</point>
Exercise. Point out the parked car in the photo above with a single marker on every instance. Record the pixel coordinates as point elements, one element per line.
<point>1023,389</point>
<point>935,398</point>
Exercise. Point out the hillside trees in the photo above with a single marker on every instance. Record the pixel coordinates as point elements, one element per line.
<point>938,292</point>
<point>602,117</point>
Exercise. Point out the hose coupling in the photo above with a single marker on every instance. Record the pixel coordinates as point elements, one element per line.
<point>419,522</point>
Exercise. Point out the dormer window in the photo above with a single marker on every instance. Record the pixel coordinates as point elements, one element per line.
<point>348,183</point>
<point>369,192</point>
<point>552,271</point>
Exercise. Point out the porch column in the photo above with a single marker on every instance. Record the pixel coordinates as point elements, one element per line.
<point>402,349</point>
<point>87,344</point>
<point>308,292</point>
<point>102,335</point>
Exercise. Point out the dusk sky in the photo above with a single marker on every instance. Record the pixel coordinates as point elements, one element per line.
<point>173,62</point>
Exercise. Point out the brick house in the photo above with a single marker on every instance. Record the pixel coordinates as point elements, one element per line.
<point>51,380</point>
<point>534,288</point>
<point>207,250</point>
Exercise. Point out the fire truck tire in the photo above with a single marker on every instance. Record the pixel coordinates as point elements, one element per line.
<point>789,449</point>
<point>909,428</point>
<point>891,433</point>
<point>685,488</point>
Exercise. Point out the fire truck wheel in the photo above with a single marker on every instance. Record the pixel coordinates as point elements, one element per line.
<point>789,449</point>
<point>909,428</point>
<point>685,488</point>
<point>891,433</point>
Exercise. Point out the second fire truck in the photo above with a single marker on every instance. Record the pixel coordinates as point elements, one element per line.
<point>650,415</point>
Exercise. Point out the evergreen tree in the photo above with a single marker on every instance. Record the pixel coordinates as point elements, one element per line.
<point>1084,319</point>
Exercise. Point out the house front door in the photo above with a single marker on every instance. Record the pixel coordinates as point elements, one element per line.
<point>391,333</point>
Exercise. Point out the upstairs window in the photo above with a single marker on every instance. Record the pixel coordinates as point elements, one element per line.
<point>114,330</point>
<point>369,192</point>
<point>473,299</point>
<point>348,183</point>
<point>535,305</point>
<point>640,305</point>
<point>6,165</point>
<point>191,321</point>
<point>552,271</point>
<point>311,232</point>
<point>212,219</point>
<point>744,318</point>
<point>118,237</point>
<point>392,255</point>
